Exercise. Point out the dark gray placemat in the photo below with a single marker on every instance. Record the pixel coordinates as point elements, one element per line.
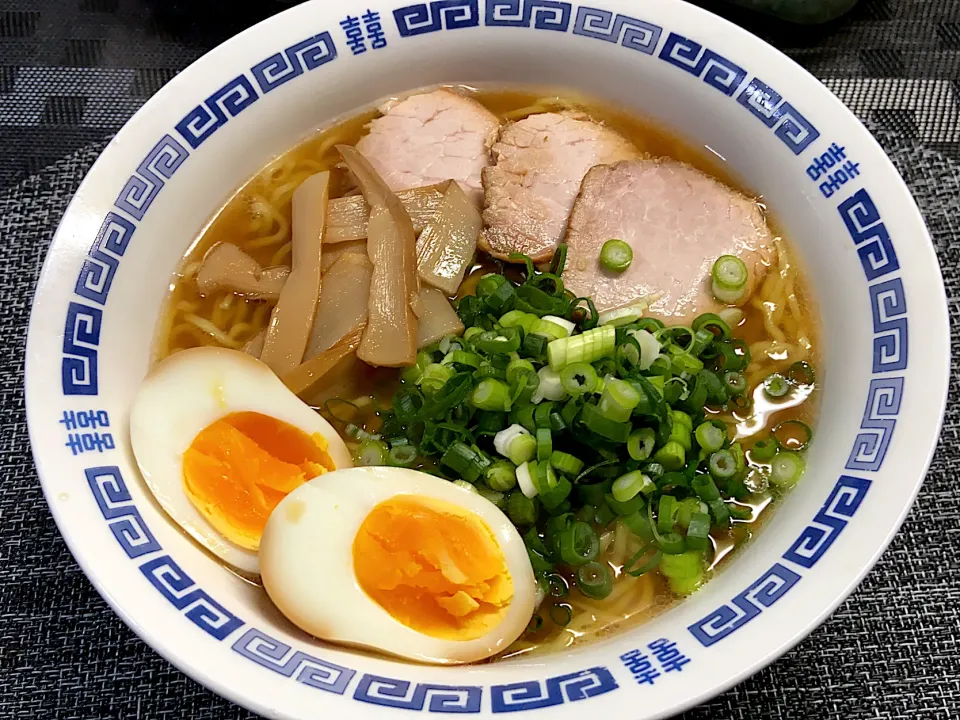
<point>71,72</point>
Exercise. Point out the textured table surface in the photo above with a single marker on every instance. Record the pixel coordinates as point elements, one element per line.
<point>73,71</point>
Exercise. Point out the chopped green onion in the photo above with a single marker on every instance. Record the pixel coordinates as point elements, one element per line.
<point>550,387</point>
<point>801,373</point>
<point>686,510</point>
<point>552,496</point>
<point>414,373</point>
<point>518,367</point>
<point>721,514</point>
<point>588,347</point>
<point>682,430</point>
<point>595,422</point>
<point>371,452</point>
<point>549,329</point>
<point>534,346</point>
<point>463,359</point>
<point>462,459</point>
<point>472,332</point>
<point>628,485</point>
<point>518,318</point>
<point>561,614</point>
<point>776,385</point>
<point>578,544</point>
<point>735,382</point>
<point>729,279</point>
<point>565,462</point>
<point>640,443</point>
<point>710,436</point>
<point>501,476</point>
<point>465,485</point>
<point>685,586</point>
<point>616,255</point>
<point>684,565</point>
<point>786,433</point>
<point>672,455</point>
<point>698,531</point>
<point>544,444</point>
<point>786,469</point>
<point>732,316</point>
<point>557,586</point>
<point>764,450</point>
<point>511,444</point>
<point>490,394</point>
<point>541,414</point>
<point>636,568</point>
<point>666,513</point>
<point>578,378</point>
<point>524,416</point>
<point>402,456</point>
<point>435,376</point>
<point>497,498</point>
<point>490,422</point>
<point>594,580</point>
<point>496,343</point>
<point>622,316</point>
<point>520,509</point>
<point>705,488</point>
<point>618,399</point>
<point>722,464</point>
<point>567,327</point>
<point>715,324</point>
<point>525,479</point>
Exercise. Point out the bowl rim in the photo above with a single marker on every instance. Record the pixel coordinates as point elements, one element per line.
<point>232,691</point>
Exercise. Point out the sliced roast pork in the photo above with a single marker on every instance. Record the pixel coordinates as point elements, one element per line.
<point>539,163</point>
<point>678,222</point>
<point>431,137</point>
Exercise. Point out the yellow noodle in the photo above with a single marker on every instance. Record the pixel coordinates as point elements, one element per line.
<point>281,254</point>
<point>213,331</point>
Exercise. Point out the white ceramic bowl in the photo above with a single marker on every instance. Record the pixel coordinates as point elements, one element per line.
<point>216,124</point>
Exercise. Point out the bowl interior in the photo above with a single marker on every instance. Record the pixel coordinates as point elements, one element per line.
<point>160,181</point>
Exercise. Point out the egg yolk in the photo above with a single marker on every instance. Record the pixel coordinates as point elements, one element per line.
<point>435,567</point>
<point>240,467</point>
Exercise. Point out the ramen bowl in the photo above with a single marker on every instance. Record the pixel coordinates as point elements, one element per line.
<point>863,243</point>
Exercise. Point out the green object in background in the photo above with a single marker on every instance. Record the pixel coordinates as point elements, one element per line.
<point>800,11</point>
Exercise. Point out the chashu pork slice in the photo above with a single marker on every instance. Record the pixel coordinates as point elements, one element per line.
<point>678,222</point>
<point>430,137</point>
<point>529,191</point>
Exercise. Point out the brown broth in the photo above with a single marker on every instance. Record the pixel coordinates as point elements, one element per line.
<point>241,221</point>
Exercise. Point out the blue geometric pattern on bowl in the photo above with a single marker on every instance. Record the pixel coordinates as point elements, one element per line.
<point>274,655</point>
<point>546,14</point>
<point>84,316</point>
<point>391,692</point>
<point>532,694</point>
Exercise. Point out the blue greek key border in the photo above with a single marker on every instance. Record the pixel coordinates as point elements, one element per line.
<point>884,396</point>
<point>81,337</point>
<point>79,370</point>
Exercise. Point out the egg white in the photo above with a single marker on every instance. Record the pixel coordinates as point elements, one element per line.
<point>186,393</point>
<point>306,562</point>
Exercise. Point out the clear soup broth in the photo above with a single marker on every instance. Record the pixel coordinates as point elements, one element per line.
<point>779,324</point>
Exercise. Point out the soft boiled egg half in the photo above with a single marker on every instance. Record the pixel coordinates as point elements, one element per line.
<point>221,441</point>
<point>399,561</point>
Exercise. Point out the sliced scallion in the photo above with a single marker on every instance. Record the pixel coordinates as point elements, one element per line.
<point>588,347</point>
<point>710,436</point>
<point>729,279</point>
<point>640,443</point>
<point>776,385</point>
<point>786,469</point>
<point>616,255</point>
<point>594,580</point>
